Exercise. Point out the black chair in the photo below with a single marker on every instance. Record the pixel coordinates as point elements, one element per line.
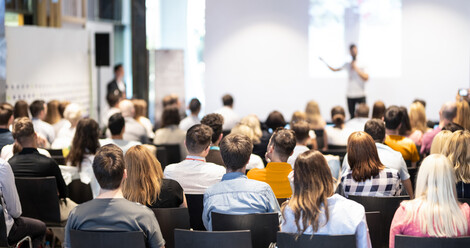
<point>162,156</point>
<point>385,205</point>
<point>374,223</point>
<point>101,239</point>
<point>465,200</point>
<point>202,239</point>
<point>169,219</point>
<point>195,208</point>
<point>281,200</point>
<point>424,242</point>
<point>79,192</point>
<point>413,174</point>
<point>3,231</point>
<point>334,147</point>
<point>172,154</point>
<point>288,240</point>
<point>57,155</point>
<point>263,226</point>
<point>320,133</point>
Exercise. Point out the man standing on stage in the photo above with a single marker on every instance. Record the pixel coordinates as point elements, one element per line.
<point>356,80</point>
<point>117,85</point>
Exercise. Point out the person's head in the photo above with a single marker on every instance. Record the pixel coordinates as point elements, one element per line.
<point>116,124</point>
<point>452,127</point>
<point>127,108</point>
<point>53,115</point>
<point>227,100</point>
<point>312,110</point>
<point>170,116</point>
<point>62,106</point>
<point>194,106</point>
<point>439,141</point>
<point>313,184</point>
<point>448,112</point>
<point>353,51</point>
<point>20,109</point>
<point>376,129</point>
<point>109,168</point>
<point>281,144</point>
<point>236,151</point>
<point>393,117</point>
<point>113,100</point>
<point>85,141</point>
<point>423,102</point>
<point>298,116</point>
<point>244,130</point>
<point>73,113</point>
<point>171,99</point>
<point>140,107</point>
<point>38,109</point>
<point>144,176</point>
<point>275,120</point>
<point>198,139</point>
<point>363,157</point>
<point>118,71</point>
<point>253,122</point>
<point>463,114</point>
<point>457,150</point>
<point>362,111</point>
<point>215,122</point>
<point>23,133</point>
<point>378,110</point>
<point>338,116</point>
<point>6,114</point>
<point>418,117</point>
<point>405,127</point>
<point>301,130</point>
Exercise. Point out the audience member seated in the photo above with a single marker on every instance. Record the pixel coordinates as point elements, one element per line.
<point>62,106</point>
<point>193,118</point>
<point>255,160</point>
<point>17,227</point>
<point>435,212</point>
<point>361,116</point>
<point>134,130</point>
<point>275,120</point>
<point>236,194</point>
<point>280,148</point>
<point>53,116</point>
<point>84,146</point>
<point>253,122</point>
<point>368,176</point>
<point>338,134</point>
<point>169,133</point>
<point>453,127</point>
<point>418,123</point>
<point>299,116</point>
<point>38,110</point>
<point>462,116</point>
<point>113,102</point>
<point>6,119</point>
<point>301,130</point>
<point>194,174</point>
<point>405,127</point>
<point>72,114</point>
<point>439,141</point>
<point>20,109</point>
<point>230,117</point>
<point>315,208</point>
<point>110,211</point>
<point>215,122</point>
<point>457,150</point>
<point>317,124</point>
<point>145,183</point>
<point>378,110</point>
<point>140,106</point>
<point>407,148</point>
<point>446,115</point>
<point>27,162</point>
<point>389,157</point>
<point>117,126</point>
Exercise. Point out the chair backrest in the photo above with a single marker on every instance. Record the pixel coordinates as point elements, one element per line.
<point>79,192</point>
<point>80,239</point>
<point>202,239</point>
<point>39,199</point>
<point>57,155</point>
<point>162,156</point>
<point>169,219</point>
<point>413,173</point>
<point>173,152</point>
<point>426,242</point>
<point>374,223</point>
<point>387,206</point>
<point>263,226</point>
<point>288,240</point>
<point>195,208</point>
<point>3,226</point>
<point>281,200</point>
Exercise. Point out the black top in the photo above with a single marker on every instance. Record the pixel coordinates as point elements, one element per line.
<point>463,190</point>
<point>30,163</point>
<point>261,148</point>
<point>113,88</point>
<point>171,195</point>
<point>215,157</point>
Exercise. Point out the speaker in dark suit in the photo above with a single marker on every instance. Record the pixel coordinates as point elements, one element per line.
<point>117,86</point>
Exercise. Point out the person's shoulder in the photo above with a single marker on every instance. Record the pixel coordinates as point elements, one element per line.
<point>170,183</point>
<point>172,167</point>
<point>394,172</point>
<point>350,206</point>
<point>215,167</point>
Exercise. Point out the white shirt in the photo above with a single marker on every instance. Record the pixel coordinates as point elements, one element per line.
<point>44,129</point>
<point>356,124</point>
<point>255,162</point>
<point>356,84</point>
<point>188,122</point>
<point>345,217</point>
<point>336,136</point>
<point>297,151</point>
<point>123,144</point>
<point>148,126</point>
<point>7,152</point>
<point>230,118</point>
<point>171,135</point>
<point>194,174</point>
<point>108,114</point>
<point>86,174</point>
<point>64,137</point>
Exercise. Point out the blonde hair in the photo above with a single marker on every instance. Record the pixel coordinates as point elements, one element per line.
<point>457,149</point>
<point>53,114</point>
<point>298,116</point>
<point>463,114</point>
<point>253,122</point>
<point>144,176</point>
<point>313,114</point>
<point>73,113</point>
<point>439,141</point>
<point>439,213</point>
<point>418,117</point>
<point>140,107</point>
<point>245,130</point>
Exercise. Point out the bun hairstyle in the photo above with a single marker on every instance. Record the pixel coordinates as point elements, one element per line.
<point>338,115</point>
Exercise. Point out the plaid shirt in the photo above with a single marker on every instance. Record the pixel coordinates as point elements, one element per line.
<point>386,183</point>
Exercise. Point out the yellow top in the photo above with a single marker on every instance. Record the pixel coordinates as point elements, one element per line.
<point>275,174</point>
<point>404,145</point>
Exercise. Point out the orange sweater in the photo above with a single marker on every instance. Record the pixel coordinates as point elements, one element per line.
<point>275,174</point>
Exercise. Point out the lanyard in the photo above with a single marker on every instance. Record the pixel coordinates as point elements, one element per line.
<point>194,158</point>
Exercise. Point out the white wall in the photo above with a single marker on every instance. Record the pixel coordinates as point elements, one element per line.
<point>257,50</point>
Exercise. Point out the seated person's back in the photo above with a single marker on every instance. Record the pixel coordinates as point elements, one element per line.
<point>170,133</point>
<point>214,121</point>
<point>338,134</point>
<point>38,111</point>
<point>134,130</point>
<point>117,127</point>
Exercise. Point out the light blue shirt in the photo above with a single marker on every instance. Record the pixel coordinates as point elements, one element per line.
<point>236,194</point>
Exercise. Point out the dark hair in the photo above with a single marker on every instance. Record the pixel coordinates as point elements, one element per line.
<point>362,110</point>
<point>351,46</point>
<point>301,129</point>
<point>283,141</point>
<point>363,157</point>
<point>170,116</point>
<point>215,122</point>
<point>194,105</point>
<point>376,129</point>
<point>236,151</point>
<point>6,111</point>
<point>113,99</point>
<point>405,127</point>
<point>62,106</point>
<point>23,129</point>
<point>36,107</point>
<point>116,123</point>
<point>420,101</point>
<point>338,115</point>
<point>393,117</point>
<point>378,110</point>
<point>108,166</point>
<point>117,67</point>
<point>20,109</point>
<point>85,141</point>
<point>198,138</point>
<point>170,100</point>
<point>453,127</point>
<point>275,120</point>
<point>227,100</point>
